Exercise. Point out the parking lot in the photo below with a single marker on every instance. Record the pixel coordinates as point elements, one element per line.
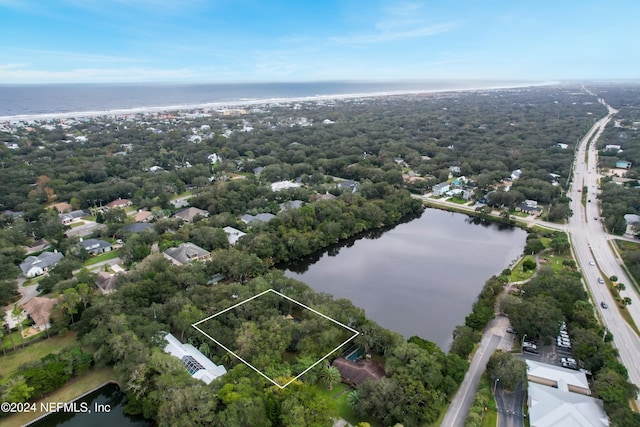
<point>551,354</point>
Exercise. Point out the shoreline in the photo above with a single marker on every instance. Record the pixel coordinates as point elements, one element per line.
<point>252,102</point>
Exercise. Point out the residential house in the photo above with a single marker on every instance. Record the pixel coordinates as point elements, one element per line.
<point>325,196</point>
<point>39,310</point>
<point>233,235</point>
<point>35,266</point>
<point>120,203</point>
<point>566,380</point>
<point>292,204</point>
<point>612,147</point>
<point>529,206</point>
<point>197,364</point>
<point>355,373</point>
<point>633,224</point>
<point>186,253</point>
<point>562,146</point>
<point>349,185</point>
<point>257,171</point>
<point>73,216</point>
<point>284,185</point>
<point>516,174</point>
<point>106,282</point>
<point>137,227</point>
<point>623,164</point>
<point>63,207</point>
<point>189,214</point>
<point>95,246</point>
<point>551,407</point>
<point>37,246</point>
<point>256,219</point>
<point>454,169</point>
<point>440,189</point>
<point>143,216</point>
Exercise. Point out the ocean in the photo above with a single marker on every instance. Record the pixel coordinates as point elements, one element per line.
<point>65,99</point>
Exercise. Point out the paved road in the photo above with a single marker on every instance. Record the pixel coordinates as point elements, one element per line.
<point>590,242</point>
<point>509,406</point>
<point>458,411</point>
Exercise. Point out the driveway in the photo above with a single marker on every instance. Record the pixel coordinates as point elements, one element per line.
<point>458,411</point>
<point>509,406</point>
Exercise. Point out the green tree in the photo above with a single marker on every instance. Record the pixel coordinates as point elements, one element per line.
<point>511,371</point>
<point>330,377</point>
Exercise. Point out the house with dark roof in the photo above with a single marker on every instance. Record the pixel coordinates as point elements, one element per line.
<point>529,206</point>
<point>95,246</point>
<point>106,282</point>
<point>73,216</point>
<point>355,373</point>
<point>35,266</point>
<point>257,219</point>
<point>348,185</point>
<point>186,253</point>
<point>188,215</point>
<point>137,227</point>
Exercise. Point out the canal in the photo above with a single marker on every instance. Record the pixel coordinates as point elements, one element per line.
<point>419,278</point>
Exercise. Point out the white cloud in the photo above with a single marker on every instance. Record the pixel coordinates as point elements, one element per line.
<point>74,56</point>
<point>18,73</point>
<point>393,32</point>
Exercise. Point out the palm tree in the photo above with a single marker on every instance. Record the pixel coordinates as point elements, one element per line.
<point>331,376</point>
<point>353,399</point>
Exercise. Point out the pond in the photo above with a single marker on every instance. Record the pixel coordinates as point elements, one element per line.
<point>109,398</point>
<point>419,278</point>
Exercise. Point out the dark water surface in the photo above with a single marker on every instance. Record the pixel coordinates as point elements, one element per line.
<point>109,394</point>
<point>420,278</point>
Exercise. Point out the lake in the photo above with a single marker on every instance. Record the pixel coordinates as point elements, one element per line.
<point>419,278</point>
<point>109,394</point>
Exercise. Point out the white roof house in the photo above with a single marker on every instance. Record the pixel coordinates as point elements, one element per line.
<point>555,376</point>
<point>198,365</point>
<point>233,235</point>
<point>550,407</point>
<point>34,266</point>
<point>283,185</point>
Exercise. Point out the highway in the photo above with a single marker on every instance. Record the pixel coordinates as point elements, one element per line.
<point>590,242</point>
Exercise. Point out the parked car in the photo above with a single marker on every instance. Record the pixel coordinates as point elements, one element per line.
<point>568,360</point>
<point>569,365</point>
<point>529,345</point>
<point>510,330</point>
<point>530,350</point>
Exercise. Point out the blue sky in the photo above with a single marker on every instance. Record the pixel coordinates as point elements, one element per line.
<point>74,41</point>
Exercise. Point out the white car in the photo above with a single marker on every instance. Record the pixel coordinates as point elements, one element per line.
<point>568,360</point>
<point>592,263</point>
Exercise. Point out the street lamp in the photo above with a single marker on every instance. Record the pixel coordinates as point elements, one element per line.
<point>523,338</point>
<point>495,383</point>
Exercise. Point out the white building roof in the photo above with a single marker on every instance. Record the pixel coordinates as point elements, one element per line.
<point>562,376</point>
<point>198,365</point>
<point>283,185</point>
<point>550,407</point>
<point>233,235</point>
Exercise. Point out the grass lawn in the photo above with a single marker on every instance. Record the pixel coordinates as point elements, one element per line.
<point>74,388</point>
<point>11,361</point>
<point>33,280</point>
<point>76,224</point>
<point>520,214</point>
<point>339,394</point>
<point>102,257</point>
<point>490,418</point>
<point>6,340</point>
<point>186,193</point>
<point>517,275</point>
<point>457,200</point>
